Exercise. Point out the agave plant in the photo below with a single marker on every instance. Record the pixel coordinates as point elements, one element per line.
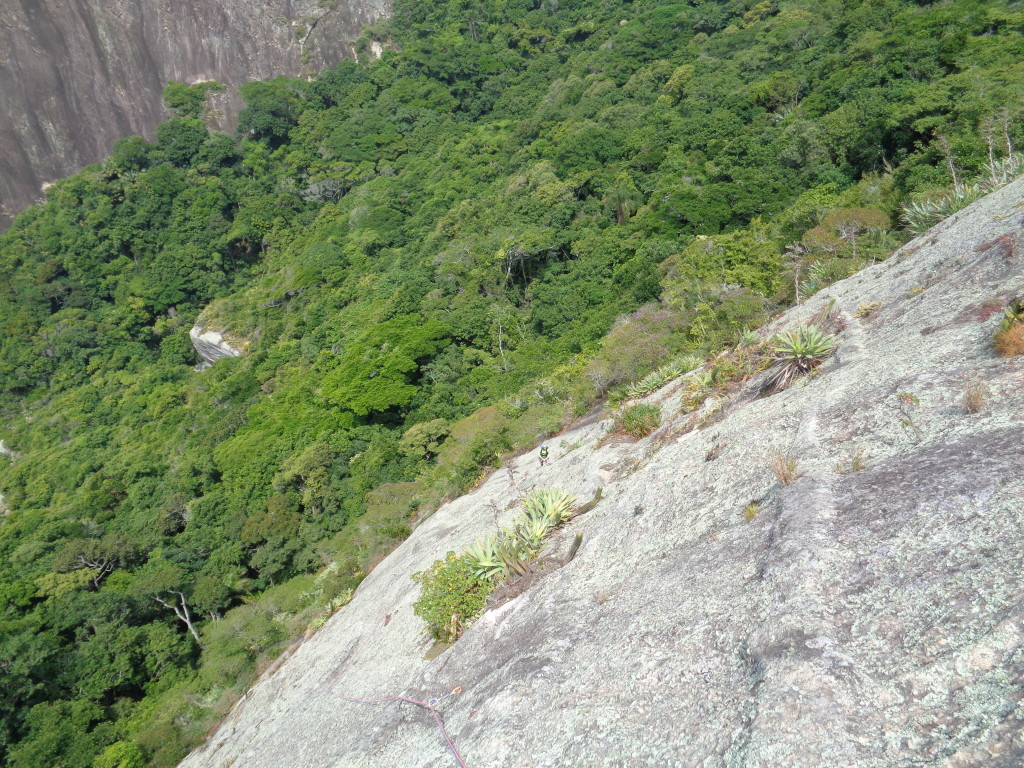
<point>618,397</point>
<point>515,557</point>
<point>1014,313</point>
<point>1002,172</point>
<point>549,504</point>
<point>702,380</point>
<point>640,389</point>
<point>819,275</point>
<point>649,383</point>
<point>798,352</point>
<point>698,387</point>
<point>532,531</point>
<point>749,338</point>
<point>662,376</point>
<point>685,364</point>
<point>920,215</point>
<point>485,558</point>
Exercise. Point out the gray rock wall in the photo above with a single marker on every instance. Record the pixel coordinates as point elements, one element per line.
<point>76,75</point>
<point>860,619</point>
<point>210,345</point>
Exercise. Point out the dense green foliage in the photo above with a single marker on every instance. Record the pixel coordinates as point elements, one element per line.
<point>424,259</point>
<point>452,595</point>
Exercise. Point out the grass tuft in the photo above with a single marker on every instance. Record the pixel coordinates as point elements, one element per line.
<point>866,310</point>
<point>855,462</point>
<point>976,394</point>
<point>784,466</point>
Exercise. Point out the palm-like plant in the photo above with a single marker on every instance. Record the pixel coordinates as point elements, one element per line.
<point>659,378</point>
<point>623,199</point>
<point>798,352</point>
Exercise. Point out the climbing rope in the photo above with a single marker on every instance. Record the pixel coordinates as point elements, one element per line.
<point>428,704</point>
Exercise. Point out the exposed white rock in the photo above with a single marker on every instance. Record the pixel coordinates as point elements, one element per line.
<point>210,345</point>
<point>868,619</point>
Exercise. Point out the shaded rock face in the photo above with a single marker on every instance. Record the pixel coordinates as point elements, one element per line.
<point>76,75</point>
<point>869,619</point>
<point>211,346</point>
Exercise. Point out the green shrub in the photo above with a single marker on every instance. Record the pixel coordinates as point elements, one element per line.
<point>635,344</point>
<point>638,420</point>
<point>120,754</point>
<point>451,596</point>
<point>824,272</point>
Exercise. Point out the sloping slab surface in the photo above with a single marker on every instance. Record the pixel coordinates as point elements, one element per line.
<point>866,619</point>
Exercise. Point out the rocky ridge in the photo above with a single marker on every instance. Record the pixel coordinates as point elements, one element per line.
<point>859,619</point>
<point>76,75</point>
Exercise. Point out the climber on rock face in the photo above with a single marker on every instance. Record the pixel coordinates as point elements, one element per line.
<point>543,454</point>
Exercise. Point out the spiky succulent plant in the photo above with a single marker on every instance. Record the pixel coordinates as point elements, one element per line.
<point>515,557</point>
<point>749,338</point>
<point>1014,313</point>
<point>920,215</point>
<point>532,531</point>
<point>485,557</point>
<point>549,504</point>
<point>798,352</point>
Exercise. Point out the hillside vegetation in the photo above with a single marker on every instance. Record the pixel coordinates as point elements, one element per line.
<point>430,261</point>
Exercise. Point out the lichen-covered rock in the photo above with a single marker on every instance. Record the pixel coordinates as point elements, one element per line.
<point>76,75</point>
<point>210,345</point>
<point>859,619</point>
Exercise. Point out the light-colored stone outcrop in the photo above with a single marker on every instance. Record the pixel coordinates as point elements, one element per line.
<point>861,619</point>
<point>210,345</point>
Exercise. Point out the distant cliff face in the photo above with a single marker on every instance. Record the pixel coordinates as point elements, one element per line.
<point>76,75</point>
